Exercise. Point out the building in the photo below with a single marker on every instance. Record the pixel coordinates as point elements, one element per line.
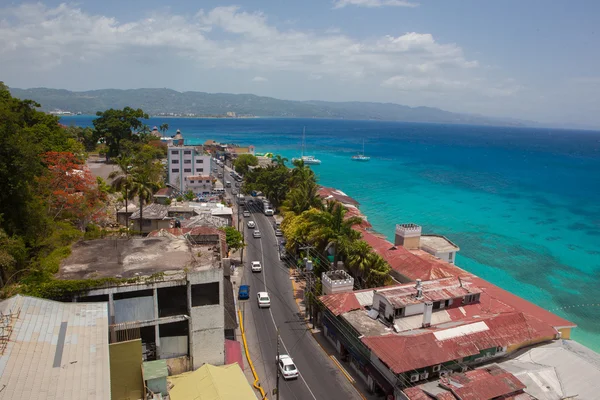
<point>172,296</point>
<point>402,335</point>
<point>485,383</point>
<point>184,162</point>
<point>53,350</point>
<point>163,195</point>
<point>199,184</point>
<point>124,214</point>
<point>154,216</point>
<point>212,382</point>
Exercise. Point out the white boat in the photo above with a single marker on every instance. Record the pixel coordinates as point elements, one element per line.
<point>361,157</point>
<point>306,159</point>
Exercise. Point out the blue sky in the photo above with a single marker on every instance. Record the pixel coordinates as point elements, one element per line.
<point>536,60</point>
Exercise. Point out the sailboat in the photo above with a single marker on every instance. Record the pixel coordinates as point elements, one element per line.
<point>306,159</point>
<point>361,157</point>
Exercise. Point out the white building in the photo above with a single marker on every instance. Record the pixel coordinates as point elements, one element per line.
<point>186,161</point>
<point>198,183</point>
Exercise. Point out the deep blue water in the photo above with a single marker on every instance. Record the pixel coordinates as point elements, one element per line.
<point>522,204</point>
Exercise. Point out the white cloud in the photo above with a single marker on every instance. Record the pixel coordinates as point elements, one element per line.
<point>65,40</point>
<point>373,3</point>
<point>259,79</point>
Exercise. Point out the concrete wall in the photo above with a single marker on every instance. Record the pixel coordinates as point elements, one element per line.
<point>173,346</point>
<point>208,340</point>
<point>134,309</point>
<point>414,309</point>
<point>385,371</point>
<point>126,370</point>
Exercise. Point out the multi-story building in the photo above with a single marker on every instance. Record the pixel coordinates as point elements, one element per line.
<point>174,296</point>
<point>184,162</point>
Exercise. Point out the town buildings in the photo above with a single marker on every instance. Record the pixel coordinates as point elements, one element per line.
<point>188,166</point>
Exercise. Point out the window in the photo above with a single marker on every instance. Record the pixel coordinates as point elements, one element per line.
<point>174,152</point>
<point>187,170</point>
<point>175,170</point>
<point>187,152</point>
<point>205,294</point>
<point>187,161</point>
<point>200,161</point>
<point>450,257</point>
<point>174,161</point>
<point>436,305</point>
<point>399,312</point>
<point>199,169</point>
<point>191,181</point>
<point>208,181</point>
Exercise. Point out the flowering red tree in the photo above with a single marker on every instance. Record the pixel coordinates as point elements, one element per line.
<point>71,191</point>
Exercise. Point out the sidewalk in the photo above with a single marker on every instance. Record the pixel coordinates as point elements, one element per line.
<point>298,286</point>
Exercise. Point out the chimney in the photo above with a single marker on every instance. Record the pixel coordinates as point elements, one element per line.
<point>408,236</point>
<point>419,289</point>
<point>427,314</point>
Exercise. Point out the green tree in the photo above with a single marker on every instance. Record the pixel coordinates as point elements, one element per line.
<point>233,238</point>
<point>279,160</point>
<point>145,180</point>
<point>116,125</point>
<point>189,195</point>
<point>244,161</point>
<point>164,127</point>
<point>358,260</point>
<point>121,179</point>
<point>379,271</point>
<point>302,198</point>
<point>330,227</point>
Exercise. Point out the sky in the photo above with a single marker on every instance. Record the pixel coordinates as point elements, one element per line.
<point>536,60</point>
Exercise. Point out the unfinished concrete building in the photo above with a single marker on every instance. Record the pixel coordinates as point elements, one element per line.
<point>173,299</point>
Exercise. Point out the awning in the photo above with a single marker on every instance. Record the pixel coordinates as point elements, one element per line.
<point>233,353</point>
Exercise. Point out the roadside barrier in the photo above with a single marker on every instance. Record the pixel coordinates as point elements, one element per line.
<point>256,383</point>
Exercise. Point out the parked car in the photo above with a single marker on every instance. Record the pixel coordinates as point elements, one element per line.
<point>244,292</point>
<point>287,367</point>
<point>237,184</point>
<point>278,232</point>
<point>251,224</point>
<point>256,233</point>
<point>256,267</point>
<point>246,213</point>
<point>234,192</point>
<point>263,299</point>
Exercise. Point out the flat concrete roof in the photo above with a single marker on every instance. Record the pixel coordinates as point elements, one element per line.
<point>438,243</point>
<point>366,325</point>
<point>133,257</point>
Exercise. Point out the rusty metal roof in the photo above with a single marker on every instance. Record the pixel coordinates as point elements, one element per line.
<point>437,290</point>
<point>340,303</point>
<point>483,384</point>
<point>152,211</point>
<point>331,193</point>
<point>406,352</point>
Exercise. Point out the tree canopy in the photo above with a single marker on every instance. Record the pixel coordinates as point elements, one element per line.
<point>113,126</point>
<point>243,161</point>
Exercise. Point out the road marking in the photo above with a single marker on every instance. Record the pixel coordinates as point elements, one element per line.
<point>262,255</point>
<point>350,378</point>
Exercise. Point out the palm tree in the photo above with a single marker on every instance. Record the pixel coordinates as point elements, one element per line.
<point>164,127</point>
<point>145,180</point>
<point>279,160</point>
<point>301,173</point>
<point>302,198</point>
<point>121,180</point>
<point>332,228</point>
<point>379,271</point>
<point>358,260</point>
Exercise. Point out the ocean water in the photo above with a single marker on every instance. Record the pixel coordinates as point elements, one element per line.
<point>522,204</point>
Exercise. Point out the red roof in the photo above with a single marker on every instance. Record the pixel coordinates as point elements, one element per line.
<point>327,192</point>
<point>437,290</point>
<point>403,353</point>
<point>483,384</point>
<point>233,353</point>
<point>339,303</point>
<point>409,265</point>
<point>492,294</point>
<point>197,177</point>
<point>415,393</point>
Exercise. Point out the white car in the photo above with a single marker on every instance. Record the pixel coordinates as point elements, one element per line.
<point>251,224</point>
<point>246,213</point>
<point>256,233</point>
<point>263,299</point>
<point>256,267</point>
<point>278,232</point>
<point>287,367</point>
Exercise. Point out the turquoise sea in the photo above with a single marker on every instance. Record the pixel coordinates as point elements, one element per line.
<point>522,204</point>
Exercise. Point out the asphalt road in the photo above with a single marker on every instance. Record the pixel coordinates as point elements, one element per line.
<point>319,378</point>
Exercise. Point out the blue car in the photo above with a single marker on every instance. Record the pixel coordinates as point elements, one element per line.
<point>244,292</point>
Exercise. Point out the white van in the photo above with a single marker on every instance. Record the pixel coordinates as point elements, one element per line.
<point>227,184</point>
<point>268,211</point>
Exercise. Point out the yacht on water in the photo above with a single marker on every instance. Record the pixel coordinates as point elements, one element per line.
<point>361,157</point>
<point>306,159</point>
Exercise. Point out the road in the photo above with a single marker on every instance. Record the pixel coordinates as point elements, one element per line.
<point>319,377</point>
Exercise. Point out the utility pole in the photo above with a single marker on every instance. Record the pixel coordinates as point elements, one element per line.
<point>243,245</point>
<point>309,305</point>
<point>277,368</point>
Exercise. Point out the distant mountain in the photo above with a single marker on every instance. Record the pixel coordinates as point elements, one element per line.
<point>156,101</point>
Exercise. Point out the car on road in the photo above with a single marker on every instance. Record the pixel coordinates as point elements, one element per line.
<point>256,267</point>
<point>237,184</point>
<point>256,233</point>
<point>244,292</point>
<point>278,232</point>
<point>234,192</point>
<point>263,299</point>
<point>246,213</point>
<point>251,224</point>
<point>287,367</point>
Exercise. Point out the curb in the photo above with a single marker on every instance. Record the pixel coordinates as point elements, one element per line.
<point>256,380</point>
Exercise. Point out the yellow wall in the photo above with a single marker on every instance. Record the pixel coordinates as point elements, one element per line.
<point>565,333</point>
<point>126,370</point>
<point>515,347</point>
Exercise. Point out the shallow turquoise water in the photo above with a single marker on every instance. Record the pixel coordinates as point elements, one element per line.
<point>522,204</point>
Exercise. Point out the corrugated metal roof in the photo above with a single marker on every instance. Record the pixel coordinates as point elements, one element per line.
<point>483,384</point>
<point>155,369</point>
<point>152,211</point>
<point>436,290</point>
<point>462,330</point>
<point>210,382</point>
<point>407,352</point>
<point>339,303</point>
<point>80,351</point>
